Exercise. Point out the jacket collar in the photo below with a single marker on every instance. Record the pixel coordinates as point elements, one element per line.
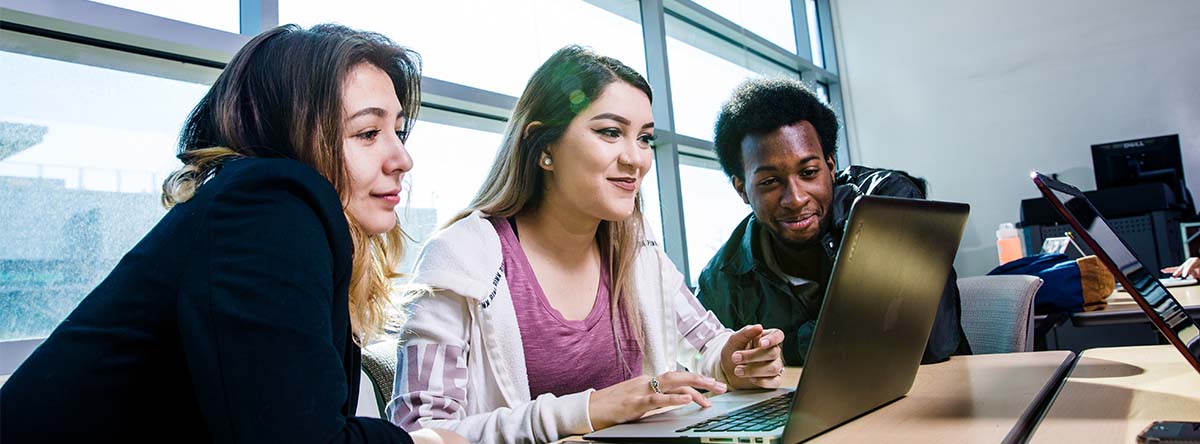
<point>742,253</point>
<point>739,252</point>
<point>464,257</point>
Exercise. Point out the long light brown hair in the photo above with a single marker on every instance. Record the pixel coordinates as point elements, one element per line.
<point>559,90</point>
<point>281,97</point>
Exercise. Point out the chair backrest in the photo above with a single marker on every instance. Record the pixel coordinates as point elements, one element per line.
<point>997,312</point>
<point>379,362</point>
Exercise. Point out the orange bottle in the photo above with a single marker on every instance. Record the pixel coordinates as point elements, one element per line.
<point>1008,243</point>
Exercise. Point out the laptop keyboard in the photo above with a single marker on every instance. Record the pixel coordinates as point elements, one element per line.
<point>760,417</point>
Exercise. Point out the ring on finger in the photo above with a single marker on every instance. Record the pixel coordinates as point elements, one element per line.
<point>654,385</point>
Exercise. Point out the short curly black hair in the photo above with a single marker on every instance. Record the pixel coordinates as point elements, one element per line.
<point>759,106</point>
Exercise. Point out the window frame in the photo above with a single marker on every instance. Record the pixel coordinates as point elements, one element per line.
<point>117,29</point>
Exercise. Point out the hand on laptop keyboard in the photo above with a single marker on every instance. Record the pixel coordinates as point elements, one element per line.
<point>1188,269</point>
<point>761,417</point>
<point>631,399</point>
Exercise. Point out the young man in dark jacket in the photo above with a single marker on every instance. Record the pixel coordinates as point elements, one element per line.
<point>776,142</point>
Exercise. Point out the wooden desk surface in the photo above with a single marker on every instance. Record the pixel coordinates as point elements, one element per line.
<point>1187,295</point>
<point>1114,393</point>
<point>984,398</point>
<point>1122,309</point>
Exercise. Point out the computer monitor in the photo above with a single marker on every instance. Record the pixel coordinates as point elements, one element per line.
<point>1133,162</point>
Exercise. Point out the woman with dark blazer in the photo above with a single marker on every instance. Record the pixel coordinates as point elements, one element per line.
<point>240,316</point>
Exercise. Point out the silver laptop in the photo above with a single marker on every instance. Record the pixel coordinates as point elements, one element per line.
<point>1164,311</point>
<point>878,311</point>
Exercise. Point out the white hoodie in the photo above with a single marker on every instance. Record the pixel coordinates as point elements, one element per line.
<point>461,365</point>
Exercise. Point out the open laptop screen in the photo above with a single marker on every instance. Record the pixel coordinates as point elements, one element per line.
<point>1166,312</point>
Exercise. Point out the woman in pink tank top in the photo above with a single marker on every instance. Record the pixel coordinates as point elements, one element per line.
<point>563,201</point>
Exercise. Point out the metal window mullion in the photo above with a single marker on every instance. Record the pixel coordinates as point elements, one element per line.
<point>666,151</point>
<point>825,23</point>
<point>256,16</point>
<point>835,99</point>
<point>810,78</point>
<point>832,62</point>
<point>800,27</point>
<point>722,28</point>
<point>112,27</point>
<point>466,99</point>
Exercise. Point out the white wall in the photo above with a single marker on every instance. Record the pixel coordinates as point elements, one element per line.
<point>972,95</point>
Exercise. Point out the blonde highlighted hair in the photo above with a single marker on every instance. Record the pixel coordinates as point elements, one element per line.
<point>258,107</point>
<point>560,89</point>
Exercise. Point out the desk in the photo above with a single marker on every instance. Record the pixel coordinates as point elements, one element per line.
<point>983,398</point>
<point>1114,393</point>
<point>1122,309</point>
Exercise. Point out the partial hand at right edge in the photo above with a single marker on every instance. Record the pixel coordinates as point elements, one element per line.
<point>1189,269</point>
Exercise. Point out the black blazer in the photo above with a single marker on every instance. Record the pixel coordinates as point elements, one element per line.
<point>228,322</point>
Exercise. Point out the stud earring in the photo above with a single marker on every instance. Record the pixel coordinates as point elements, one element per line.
<point>547,161</point>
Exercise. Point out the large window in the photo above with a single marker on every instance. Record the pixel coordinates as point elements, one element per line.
<point>771,19</point>
<point>814,33</point>
<point>83,152</point>
<point>704,70</point>
<point>449,165</point>
<point>651,206</point>
<point>712,209</point>
<point>491,45</point>
<point>90,110</point>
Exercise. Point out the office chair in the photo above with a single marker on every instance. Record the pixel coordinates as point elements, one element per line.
<point>997,312</point>
<point>379,363</point>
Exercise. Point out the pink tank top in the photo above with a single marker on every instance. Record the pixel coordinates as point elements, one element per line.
<point>563,356</point>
